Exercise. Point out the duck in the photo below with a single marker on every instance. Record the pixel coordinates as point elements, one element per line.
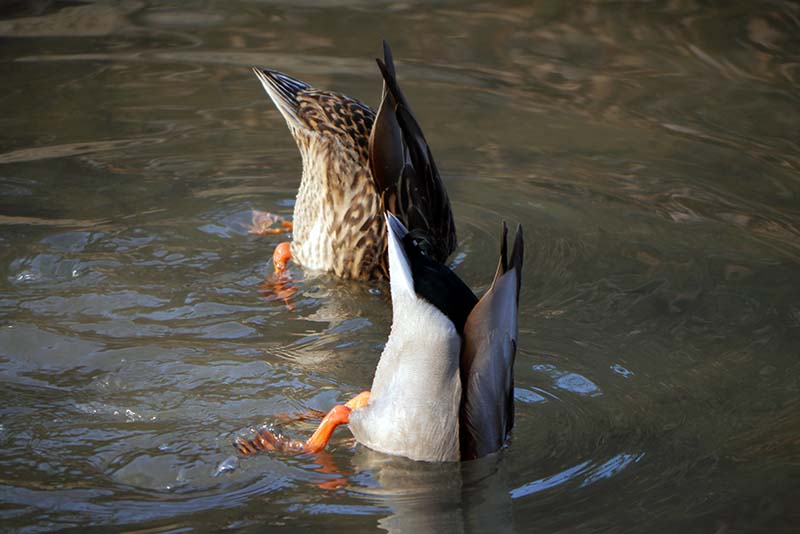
<point>358,163</point>
<point>443,389</point>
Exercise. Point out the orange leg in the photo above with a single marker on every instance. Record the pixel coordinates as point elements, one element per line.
<point>280,284</point>
<point>281,256</point>
<point>267,440</point>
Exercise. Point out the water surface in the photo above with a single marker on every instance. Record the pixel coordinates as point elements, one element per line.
<point>650,150</point>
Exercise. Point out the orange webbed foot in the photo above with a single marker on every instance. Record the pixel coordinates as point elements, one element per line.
<point>268,440</point>
<point>264,223</point>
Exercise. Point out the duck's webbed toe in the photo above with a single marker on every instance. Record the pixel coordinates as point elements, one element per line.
<point>268,440</point>
<point>265,223</point>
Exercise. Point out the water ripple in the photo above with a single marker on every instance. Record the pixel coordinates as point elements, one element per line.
<point>648,149</point>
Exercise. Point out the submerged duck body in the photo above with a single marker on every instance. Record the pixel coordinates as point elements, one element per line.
<point>338,214</point>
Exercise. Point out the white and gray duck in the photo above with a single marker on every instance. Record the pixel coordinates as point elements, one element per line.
<point>443,388</point>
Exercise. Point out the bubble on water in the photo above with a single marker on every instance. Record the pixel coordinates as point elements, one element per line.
<point>228,464</point>
<point>90,408</point>
<point>131,416</point>
<point>621,371</point>
<point>26,276</point>
<point>99,408</point>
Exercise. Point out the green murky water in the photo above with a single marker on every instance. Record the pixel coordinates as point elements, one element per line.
<point>650,149</point>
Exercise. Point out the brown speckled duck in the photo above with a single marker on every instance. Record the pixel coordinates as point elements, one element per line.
<point>356,164</point>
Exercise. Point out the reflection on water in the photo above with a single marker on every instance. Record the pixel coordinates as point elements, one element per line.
<point>649,149</point>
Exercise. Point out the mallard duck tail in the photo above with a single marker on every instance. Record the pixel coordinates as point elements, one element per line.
<point>283,91</point>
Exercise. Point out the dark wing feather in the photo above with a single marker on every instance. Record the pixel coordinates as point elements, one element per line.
<point>487,359</point>
<point>404,171</point>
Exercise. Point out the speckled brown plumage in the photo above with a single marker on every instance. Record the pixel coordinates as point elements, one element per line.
<point>338,215</point>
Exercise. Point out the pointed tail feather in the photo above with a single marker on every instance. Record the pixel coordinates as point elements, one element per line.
<point>283,91</point>
<point>404,171</point>
<point>487,358</point>
<point>502,264</point>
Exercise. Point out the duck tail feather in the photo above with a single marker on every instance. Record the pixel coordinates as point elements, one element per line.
<point>283,90</point>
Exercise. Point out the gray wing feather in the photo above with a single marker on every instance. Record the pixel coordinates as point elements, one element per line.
<point>487,359</point>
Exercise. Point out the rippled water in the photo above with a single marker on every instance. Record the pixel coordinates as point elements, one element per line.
<point>651,151</point>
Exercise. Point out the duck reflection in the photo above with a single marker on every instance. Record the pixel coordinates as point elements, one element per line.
<point>442,497</point>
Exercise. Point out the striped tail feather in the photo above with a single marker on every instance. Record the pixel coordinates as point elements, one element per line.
<point>283,90</point>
